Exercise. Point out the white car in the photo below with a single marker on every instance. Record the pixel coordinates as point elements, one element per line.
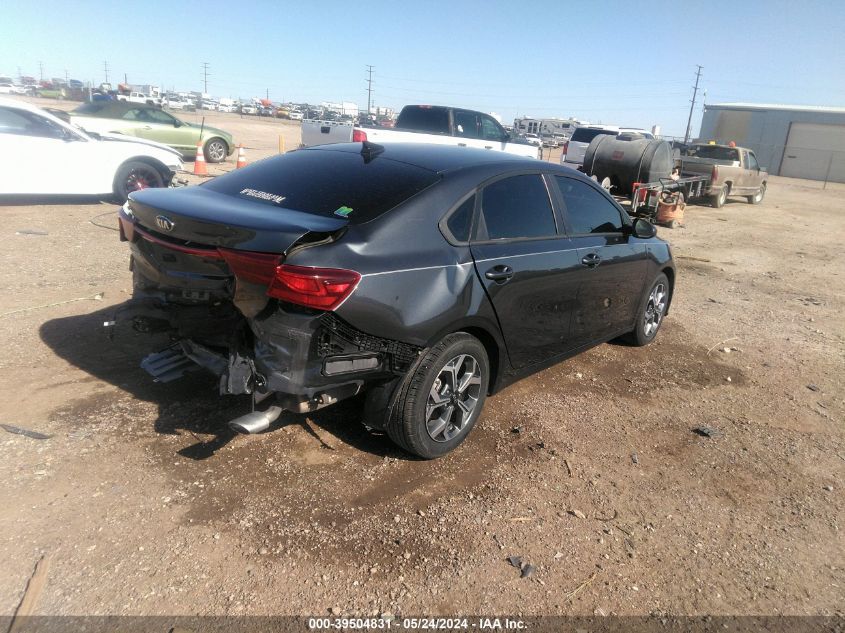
<point>44,155</point>
<point>226,108</point>
<point>533,139</point>
<point>248,109</point>
<point>295,115</point>
<point>11,89</point>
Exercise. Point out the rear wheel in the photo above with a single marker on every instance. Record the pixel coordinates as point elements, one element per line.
<point>651,313</point>
<point>441,398</point>
<point>757,198</point>
<point>134,176</point>
<point>216,150</point>
<point>718,200</point>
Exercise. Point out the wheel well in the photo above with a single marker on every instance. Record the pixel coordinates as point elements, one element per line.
<point>728,185</point>
<point>492,349</point>
<point>160,167</point>
<point>217,138</point>
<point>670,275</point>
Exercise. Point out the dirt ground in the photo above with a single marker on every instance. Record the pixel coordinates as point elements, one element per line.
<point>145,503</point>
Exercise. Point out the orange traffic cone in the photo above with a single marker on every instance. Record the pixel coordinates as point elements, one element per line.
<point>241,157</point>
<point>200,168</point>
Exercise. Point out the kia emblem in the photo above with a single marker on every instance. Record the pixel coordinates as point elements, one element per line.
<point>164,223</point>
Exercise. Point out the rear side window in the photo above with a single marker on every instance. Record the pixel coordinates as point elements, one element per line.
<point>587,210</point>
<point>24,123</point>
<point>460,222</point>
<point>422,119</point>
<point>585,134</point>
<point>516,207</point>
<point>466,124</point>
<point>327,182</point>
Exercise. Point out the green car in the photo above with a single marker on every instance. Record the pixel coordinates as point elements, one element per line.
<point>153,124</point>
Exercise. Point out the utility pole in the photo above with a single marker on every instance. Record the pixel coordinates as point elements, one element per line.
<point>369,88</point>
<point>106,69</point>
<point>66,76</point>
<point>205,77</point>
<point>692,104</point>
<point>41,71</point>
<point>267,94</point>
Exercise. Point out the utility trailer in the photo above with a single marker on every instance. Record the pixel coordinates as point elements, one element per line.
<point>647,196</point>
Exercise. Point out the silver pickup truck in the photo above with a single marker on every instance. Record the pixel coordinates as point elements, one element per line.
<point>733,171</point>
<point>423,124</point>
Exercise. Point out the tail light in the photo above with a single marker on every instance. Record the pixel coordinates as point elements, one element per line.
<point>359,136</point>
<point>565,148</point>
<point>323,288</point>
<point>257,268</point>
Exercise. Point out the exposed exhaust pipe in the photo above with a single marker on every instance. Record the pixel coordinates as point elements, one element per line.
<point>256,421</point>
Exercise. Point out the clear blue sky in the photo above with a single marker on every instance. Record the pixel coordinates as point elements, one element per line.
<point>629,63</point>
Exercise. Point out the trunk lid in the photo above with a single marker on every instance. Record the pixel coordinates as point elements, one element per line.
<point>194,216</point>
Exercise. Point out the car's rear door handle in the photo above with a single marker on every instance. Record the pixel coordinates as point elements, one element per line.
<point>462,144</point>
<point>488,147</point>
<point>148,127</point>
<point>499,274</point>
<point>591,260</point>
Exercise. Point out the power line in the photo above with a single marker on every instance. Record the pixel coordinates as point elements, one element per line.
<point>692,104</point>
<point>369,88</point>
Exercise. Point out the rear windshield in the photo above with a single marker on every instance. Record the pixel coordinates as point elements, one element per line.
<point>586,134</point>
<point>328,183</point>
<point>714,152</point>
<point>424,119</point>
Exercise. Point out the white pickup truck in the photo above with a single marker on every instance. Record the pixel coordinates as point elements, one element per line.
<point>140,97</point>
<point>438,125</point>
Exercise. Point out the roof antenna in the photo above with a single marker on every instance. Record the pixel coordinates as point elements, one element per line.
<point>370,150</point>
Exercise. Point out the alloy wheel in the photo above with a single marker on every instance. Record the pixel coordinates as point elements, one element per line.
<point>216,151</point>
<point>453,398</point>
<point>139,178</point>
<point>654,309</point>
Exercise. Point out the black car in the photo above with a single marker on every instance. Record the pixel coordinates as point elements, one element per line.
<point>426,276</point>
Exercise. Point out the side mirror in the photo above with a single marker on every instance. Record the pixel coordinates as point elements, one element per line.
<point>643,229</point>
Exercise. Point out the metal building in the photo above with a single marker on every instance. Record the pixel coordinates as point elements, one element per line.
<point>795,141</point>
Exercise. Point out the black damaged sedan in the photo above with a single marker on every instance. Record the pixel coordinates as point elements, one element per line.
<point>428,277</point>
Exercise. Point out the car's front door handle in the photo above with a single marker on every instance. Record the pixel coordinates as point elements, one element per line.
<point>499,274</point>
<point>591,260</point>
<point>148,127</point>
<point>488,147</point>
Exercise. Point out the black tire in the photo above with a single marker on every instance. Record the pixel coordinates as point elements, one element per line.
<point>718,200</point>
<point>643,334</point>
<point>757,198</point>
<point>408,423</point>
<point>135,175</point>
<point>216,150</point>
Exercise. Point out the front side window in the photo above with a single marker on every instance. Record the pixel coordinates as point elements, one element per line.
<point>516,207</point>
<point>588,210</point>
<point>752,162</point>
<point>490,130</point>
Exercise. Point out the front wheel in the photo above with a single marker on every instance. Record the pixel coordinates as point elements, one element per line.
<point>216,150</point>
<point>441,398</point>
<point>757,198</point>
<point>134,176</point>
<point>651,314</point>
